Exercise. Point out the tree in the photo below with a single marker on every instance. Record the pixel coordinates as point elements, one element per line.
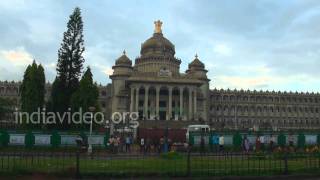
<point>70,59</point>
<point>33,88</point>
<point>5,107</point>
<point>57,102</point>
<point>87,94</point>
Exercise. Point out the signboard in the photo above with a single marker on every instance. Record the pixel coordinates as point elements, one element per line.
<point>42,140</point>
<point>16,139</point>
<point>311,139</point>
<point>96,140</point>
<point>68,139</point>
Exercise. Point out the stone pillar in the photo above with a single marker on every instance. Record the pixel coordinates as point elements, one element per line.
<point>146,100</point>
<point>170,103</point>
<point>195,104</point>
<point>137,100</point>
<point>181,101</point>
<point>157,101</point>
<point>190,103</point>
<point>132,99</point>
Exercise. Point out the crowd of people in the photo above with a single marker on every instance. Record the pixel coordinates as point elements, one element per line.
<point>264,143</point>
<point>119,143</point>
<point>125,144</point>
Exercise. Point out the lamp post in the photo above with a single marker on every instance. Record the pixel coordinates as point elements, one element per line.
<point>91,109</point>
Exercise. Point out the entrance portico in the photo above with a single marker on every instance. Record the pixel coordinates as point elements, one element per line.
<point>164,102</point>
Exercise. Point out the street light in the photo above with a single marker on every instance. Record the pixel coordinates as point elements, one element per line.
<point>91,109</point>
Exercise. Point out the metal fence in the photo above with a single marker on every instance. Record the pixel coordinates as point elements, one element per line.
<point>164,165</point>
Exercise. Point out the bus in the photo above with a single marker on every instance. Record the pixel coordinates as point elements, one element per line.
<point>197,128</point>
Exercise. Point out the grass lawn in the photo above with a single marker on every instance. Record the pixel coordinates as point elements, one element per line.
<point>156,165</point>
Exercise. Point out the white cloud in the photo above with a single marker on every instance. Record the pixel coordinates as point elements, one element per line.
<point>222,49</point>
<point>17,56</point>
<point>104,69</point>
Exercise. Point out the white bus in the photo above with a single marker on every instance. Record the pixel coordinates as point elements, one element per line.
<point>197,128</point>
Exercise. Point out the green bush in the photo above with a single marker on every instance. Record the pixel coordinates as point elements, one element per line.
<point>4,138</point>
<point>172,155</point>
<point>29,139</point>
<point>55,140</point>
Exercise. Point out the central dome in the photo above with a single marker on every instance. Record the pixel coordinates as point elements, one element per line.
<point>157,44</point>
<point>157,53</point>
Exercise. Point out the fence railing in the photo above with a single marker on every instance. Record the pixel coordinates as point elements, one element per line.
<point>171,164</point>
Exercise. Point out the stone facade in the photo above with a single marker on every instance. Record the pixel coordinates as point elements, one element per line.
<point>246,109</point>
<point>163,96</point>
<point>154,86</point>
<point>10,90</point>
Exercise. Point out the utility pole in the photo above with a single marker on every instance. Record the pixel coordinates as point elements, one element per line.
<point>91,109</point>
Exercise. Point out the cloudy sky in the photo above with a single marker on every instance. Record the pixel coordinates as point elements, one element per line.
<point>268,45</point>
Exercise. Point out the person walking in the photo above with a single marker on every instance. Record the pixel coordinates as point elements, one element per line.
<point>116,144</point>
<point>142,148</point>
<point>258,144</point>
<point>246,144</point>
<point>128,143</point>
<point>262,141</point>
<point>221,143</point>
<point>271,143</point>
<point>111,144</point>
<point>202,145</point>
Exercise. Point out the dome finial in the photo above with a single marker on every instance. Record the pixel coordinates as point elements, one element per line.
<point>196,56</point>
<point>157,26</point>
<point>124,52</point>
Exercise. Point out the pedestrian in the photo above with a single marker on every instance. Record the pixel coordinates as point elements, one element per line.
<point>272,141</point>
<point>221,143</point>
<point>116,144</point>
<point>128,142</point>
<point>202,145</point>
<point>262,141</point>
<point>148,145</point>
<point>111,144</point>
<point>161,145</point>
<point>169,144</point>
<point>142,148</point>
<point>215,143</point>
<point>258,144</point>
<point>290,139</point>
<point>246,144</point>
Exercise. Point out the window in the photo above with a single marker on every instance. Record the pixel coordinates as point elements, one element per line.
<point>103,93</point>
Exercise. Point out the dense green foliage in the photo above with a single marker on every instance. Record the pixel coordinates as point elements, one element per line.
<point>69,66</point>
<point>29,140</point>
<point>55,139</point>
<point>237,140</point>
<point>4,138</point>
<point>5,107</point>
<point>33,90</point>
<point>86,95</point>
<point>301,140</point>
<point>282,140</point>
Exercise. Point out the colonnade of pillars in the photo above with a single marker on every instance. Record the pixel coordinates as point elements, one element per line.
<point>191,101</point>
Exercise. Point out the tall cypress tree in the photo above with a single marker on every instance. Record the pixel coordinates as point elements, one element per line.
<point>70,59</point>
<point>32,90</point>
<point>69,66</point>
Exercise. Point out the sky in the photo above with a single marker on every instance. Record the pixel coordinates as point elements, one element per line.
<point>247,44</point>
